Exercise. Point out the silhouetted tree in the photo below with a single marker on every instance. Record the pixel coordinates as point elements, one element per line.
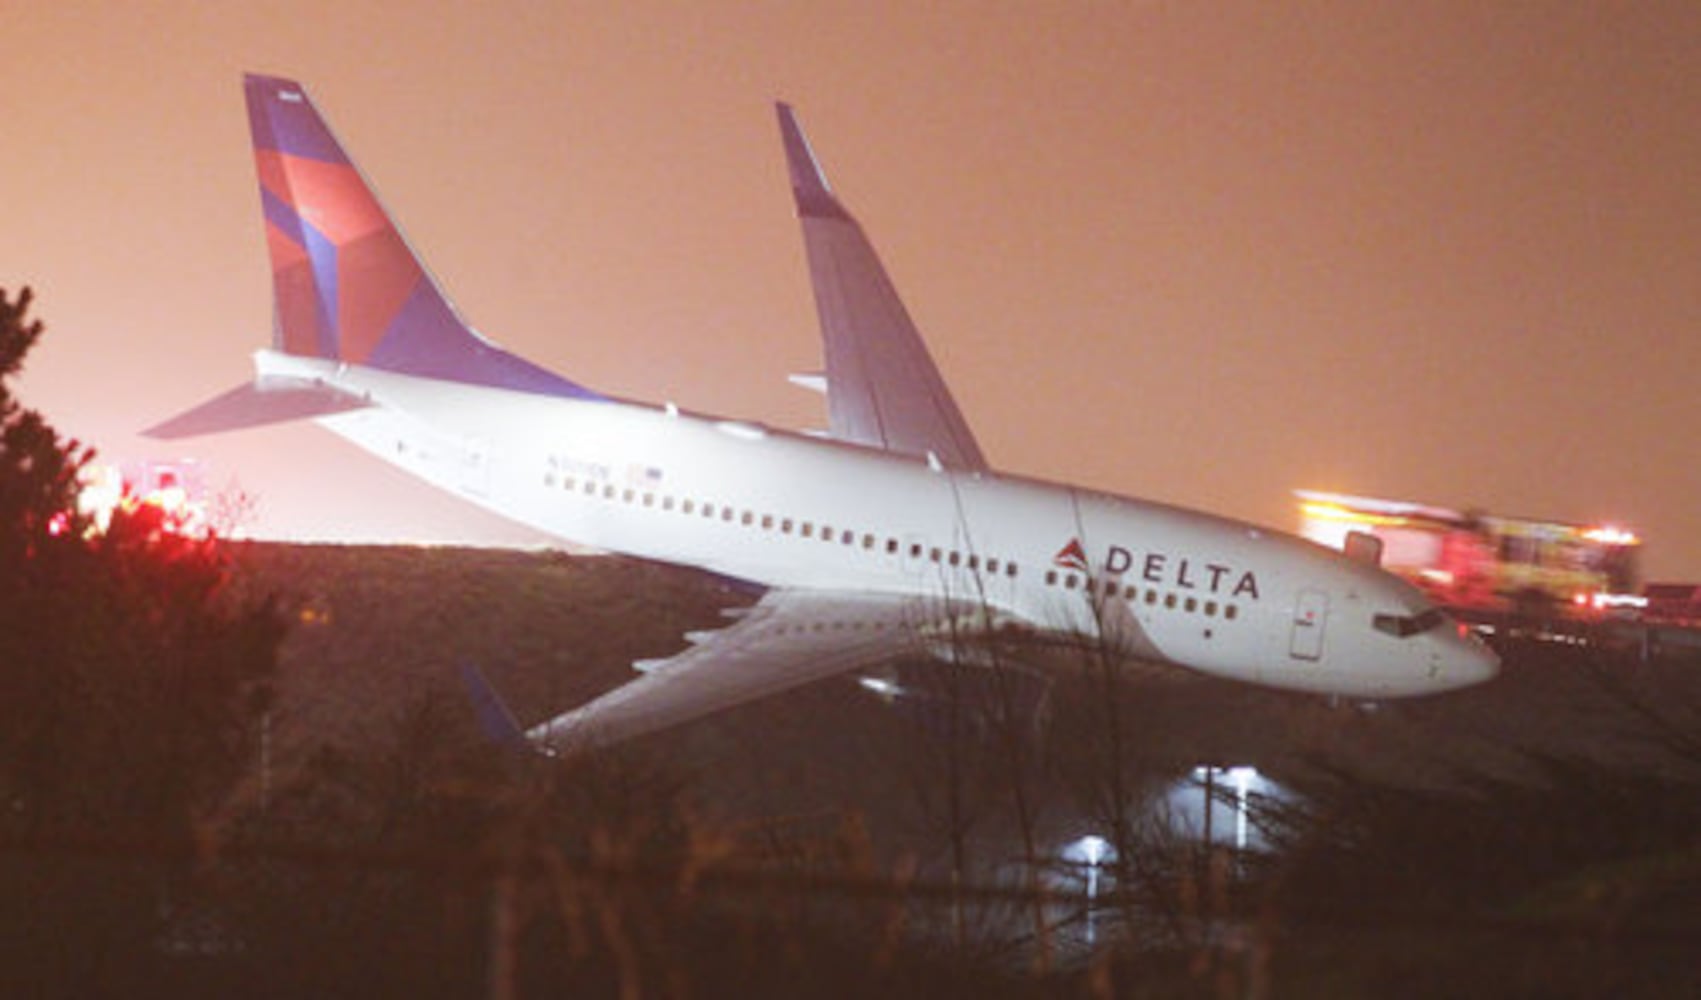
<point>130,685</point>
<point>38,471</point>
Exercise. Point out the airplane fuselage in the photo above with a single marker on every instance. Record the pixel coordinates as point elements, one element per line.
<point>788,510</point>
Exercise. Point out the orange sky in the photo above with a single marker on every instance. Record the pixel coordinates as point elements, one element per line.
<point>1200,252</point>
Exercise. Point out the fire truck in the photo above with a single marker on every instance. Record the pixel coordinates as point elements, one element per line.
<point>1483,563</point>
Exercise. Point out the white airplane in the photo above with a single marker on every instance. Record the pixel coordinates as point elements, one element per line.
<point>890,537</point>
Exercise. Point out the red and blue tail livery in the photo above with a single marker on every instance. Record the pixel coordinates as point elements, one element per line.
<point>347,285</point>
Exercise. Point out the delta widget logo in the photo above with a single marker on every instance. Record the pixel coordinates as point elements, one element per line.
<point>1072,556</point>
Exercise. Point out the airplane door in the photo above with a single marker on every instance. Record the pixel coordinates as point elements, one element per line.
<point>1310,614</point>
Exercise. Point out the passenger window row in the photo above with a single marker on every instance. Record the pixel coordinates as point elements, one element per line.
<point>709,510</point>
<point>1150,596</point>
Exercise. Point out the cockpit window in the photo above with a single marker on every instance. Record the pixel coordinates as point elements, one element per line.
<point>1406,626</point>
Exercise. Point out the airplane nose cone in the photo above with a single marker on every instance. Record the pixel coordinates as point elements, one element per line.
<point>1484,666</point>
<point>1469,662</point>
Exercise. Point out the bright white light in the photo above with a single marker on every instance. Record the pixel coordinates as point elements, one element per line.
<point>1090,850</point>
<point>880,686</point>
<point>1611,535</point>
<point>1243,780</point>
<point>1243,777</point>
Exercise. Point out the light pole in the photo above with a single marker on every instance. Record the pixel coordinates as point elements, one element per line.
<point>1090,850</point>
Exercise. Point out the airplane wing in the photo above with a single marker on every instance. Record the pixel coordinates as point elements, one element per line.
<point>883,389</point>
<point>785,640</point>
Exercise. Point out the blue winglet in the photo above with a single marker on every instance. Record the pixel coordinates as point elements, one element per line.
<point>494,717</point>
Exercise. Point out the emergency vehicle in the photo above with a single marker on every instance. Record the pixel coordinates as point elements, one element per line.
<point>1484,562</point>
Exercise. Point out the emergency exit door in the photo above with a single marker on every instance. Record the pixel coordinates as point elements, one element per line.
<point>1310,616</point>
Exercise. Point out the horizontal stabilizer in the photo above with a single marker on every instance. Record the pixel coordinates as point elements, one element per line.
<point>255,404</point>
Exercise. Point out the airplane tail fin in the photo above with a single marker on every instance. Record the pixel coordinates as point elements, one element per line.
<point>347,285</point>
